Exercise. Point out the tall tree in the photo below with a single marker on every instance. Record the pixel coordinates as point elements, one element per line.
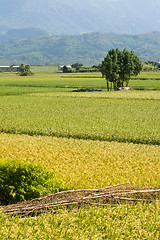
<point>118,67</point>
<point>109,68</point>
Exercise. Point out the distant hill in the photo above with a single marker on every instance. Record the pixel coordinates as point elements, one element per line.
<point>88,49</point>
<point>24,33</point>
<point>81,16</point>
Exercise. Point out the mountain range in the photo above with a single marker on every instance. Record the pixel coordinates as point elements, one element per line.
<point>68,31</point>
<point>86,48</point>
<point>81,16</point>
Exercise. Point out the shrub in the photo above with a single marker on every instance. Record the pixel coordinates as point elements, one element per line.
<point>24,70</point>
<point>25,181</point>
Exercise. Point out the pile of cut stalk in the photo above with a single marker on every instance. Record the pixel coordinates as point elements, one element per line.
<point>108,196</point>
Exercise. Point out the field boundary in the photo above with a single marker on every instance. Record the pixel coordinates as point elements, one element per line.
<point>93,138</point>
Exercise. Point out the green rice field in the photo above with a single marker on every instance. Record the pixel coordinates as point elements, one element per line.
<point>70,115</point>
<point>49,81</point>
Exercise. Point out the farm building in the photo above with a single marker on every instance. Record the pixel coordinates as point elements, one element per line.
<point>60,68</point>
<point>9,68</point>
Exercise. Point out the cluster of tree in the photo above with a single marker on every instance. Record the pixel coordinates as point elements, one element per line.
<point>24,70</point>
<point>118,67</point>
<point>78,67</point>
<point>66,69</point>
<point>98,67</point>
<point>75,67</point>
<point>152,64</point>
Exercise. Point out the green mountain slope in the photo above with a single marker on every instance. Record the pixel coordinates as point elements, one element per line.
<point>88,49</point>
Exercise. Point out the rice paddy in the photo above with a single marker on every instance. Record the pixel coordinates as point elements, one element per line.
<point>87,163</point>
<point>90,140</point>
<point>111,119</point>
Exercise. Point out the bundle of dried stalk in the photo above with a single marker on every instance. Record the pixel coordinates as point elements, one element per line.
<point>111,195</point>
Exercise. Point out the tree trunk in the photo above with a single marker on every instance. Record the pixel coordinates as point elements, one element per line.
<point>107,84</point>
<point>122,81</point>
<point>111,87</point>
<point>114,85</point>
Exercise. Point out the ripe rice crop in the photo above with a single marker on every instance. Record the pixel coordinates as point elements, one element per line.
<point>123,222</point>
<point>87,163</point>
<point>143,95</point>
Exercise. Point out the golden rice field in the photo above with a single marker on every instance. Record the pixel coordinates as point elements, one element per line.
<point>87,163</point>
<point>79,161</point>
<point>123,222</point>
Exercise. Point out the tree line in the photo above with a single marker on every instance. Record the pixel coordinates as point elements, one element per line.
<point>117,67</point>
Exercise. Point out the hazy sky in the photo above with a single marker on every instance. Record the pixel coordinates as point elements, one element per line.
<point>71,16</point>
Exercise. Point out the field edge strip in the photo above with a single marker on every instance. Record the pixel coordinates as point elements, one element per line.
<point>80,137</point>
